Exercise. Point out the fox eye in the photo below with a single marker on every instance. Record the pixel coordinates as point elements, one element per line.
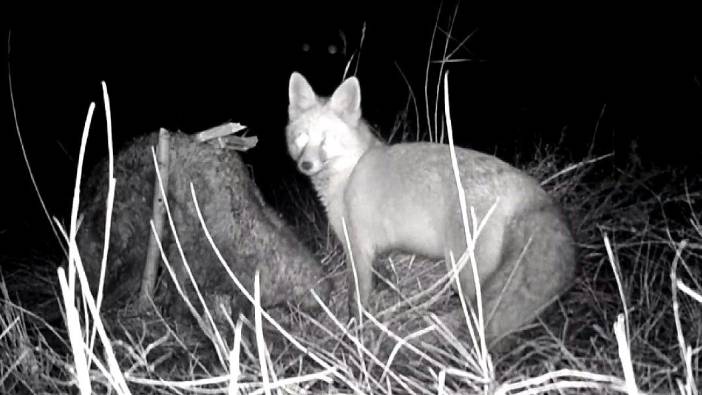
<point>301,141</point>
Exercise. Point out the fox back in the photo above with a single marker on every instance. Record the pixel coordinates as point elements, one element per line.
<point>404,197</point>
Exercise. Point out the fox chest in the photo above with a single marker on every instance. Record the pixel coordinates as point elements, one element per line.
<point>397,224</point>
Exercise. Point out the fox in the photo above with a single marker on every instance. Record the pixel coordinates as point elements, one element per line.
<point>404,197</point>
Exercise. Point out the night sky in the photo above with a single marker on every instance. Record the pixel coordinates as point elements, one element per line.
<point>527,77</point>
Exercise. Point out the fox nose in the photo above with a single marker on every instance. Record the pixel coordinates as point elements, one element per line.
<point>305,166</point>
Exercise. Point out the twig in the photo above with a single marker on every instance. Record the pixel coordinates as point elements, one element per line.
<point>225,139</point>
<point>148,278</point>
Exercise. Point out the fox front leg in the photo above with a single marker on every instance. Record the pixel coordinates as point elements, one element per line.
<point>360,266</point>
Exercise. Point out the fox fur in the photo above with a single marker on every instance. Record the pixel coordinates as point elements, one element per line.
<point>404,197</point>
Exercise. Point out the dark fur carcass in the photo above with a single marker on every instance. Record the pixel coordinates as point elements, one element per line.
<point>250,235</point>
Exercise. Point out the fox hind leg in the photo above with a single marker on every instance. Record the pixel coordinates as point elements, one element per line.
<point>488,254</point>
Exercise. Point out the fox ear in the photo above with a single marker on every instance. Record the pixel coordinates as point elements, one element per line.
<point>346,100</point>
<point>301,95</point>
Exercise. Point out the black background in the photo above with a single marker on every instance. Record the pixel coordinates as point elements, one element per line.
<point>615,76</point>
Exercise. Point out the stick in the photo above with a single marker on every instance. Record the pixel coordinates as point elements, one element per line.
<point>223,136</point>
<point>148,278</point>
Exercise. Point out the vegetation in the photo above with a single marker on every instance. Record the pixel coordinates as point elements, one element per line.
<point>632,323</point>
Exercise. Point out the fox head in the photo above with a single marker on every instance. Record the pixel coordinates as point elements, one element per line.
<point>325,133</point>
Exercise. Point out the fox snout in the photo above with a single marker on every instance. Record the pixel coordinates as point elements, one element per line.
<point>309,166</point>
<point>309,161</point>
<point>306,166</point>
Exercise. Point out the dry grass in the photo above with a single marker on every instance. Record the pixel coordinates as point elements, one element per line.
<point>640,241</point>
